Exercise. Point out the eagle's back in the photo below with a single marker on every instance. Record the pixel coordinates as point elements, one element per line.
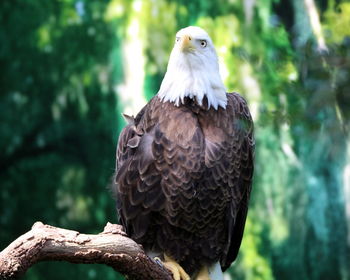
<point>184,177</point>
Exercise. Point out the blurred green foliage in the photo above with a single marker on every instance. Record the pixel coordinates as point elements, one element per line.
<point>67,71</point>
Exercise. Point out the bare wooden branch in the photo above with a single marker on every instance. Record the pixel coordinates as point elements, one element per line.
<point>111,247</point>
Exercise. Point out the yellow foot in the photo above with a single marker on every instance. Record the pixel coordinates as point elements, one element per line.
<point>203,274</point>
<point>177,271</point>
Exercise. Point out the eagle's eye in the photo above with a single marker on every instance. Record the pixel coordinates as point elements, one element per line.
<point>203,43</point>
<point>177,39</point>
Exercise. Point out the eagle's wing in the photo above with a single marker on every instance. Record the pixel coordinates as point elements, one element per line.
<point>240,168</point>
<point>136,179</point>
<point>152,168</point>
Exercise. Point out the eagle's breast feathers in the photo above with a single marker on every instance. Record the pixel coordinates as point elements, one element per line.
<point>184,177</point>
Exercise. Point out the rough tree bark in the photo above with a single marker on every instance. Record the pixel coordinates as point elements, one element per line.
<point>111,247</point>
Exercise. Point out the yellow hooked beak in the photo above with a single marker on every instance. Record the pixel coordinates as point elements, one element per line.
<point>186,44</point>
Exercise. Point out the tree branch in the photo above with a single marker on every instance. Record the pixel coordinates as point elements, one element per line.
<point>315,24</point>
<point>111,247</point>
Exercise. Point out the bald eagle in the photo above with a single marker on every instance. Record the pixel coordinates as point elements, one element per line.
<point>185,165</point>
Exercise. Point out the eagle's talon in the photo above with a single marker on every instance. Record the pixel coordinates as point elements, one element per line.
<point>177,271</point>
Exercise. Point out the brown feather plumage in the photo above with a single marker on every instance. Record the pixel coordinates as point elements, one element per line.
<point>184,177</point>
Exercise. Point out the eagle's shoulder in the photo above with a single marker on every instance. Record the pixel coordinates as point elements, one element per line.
<point>242,119</point>
<point>239,106</point>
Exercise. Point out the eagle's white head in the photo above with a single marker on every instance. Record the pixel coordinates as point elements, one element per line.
<point>193,70</point>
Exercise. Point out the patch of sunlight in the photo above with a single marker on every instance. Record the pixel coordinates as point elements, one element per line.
<point>315,24</point>
<point>279,229</point>
<point>70,16</point>
<point>103,75</point>
<point>130,92</point>
<point>43,33</point>
<point>289,71</point>
<point>337,23</point>
<point>255,266</point>
<point>79,210</point>
<point>76,93</point>
<point>159,38</point>
<point>223,30</point>
<point>73,92</point>
<point>137,5</point>
<point>86,78</point>
<point>293,76</point>
<point>248,6</point>
<point>287,143</point>
<point>346,179</point>
<point>44,38</point>
<point>224,72</point>
<point>114,10</point>
<point>263,12</point>
<point>251,88</point>
<point>76,207</point>
<point>227,276</point>
<point>68,1</point>
<point>69,198</point>
<point>288,151</point>
<point>339,114</point>
<point>59,104</point>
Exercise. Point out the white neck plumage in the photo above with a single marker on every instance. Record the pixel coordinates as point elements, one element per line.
<point>192,75</point>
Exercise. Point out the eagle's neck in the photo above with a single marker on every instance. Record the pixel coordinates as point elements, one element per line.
<point>190,76</point>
